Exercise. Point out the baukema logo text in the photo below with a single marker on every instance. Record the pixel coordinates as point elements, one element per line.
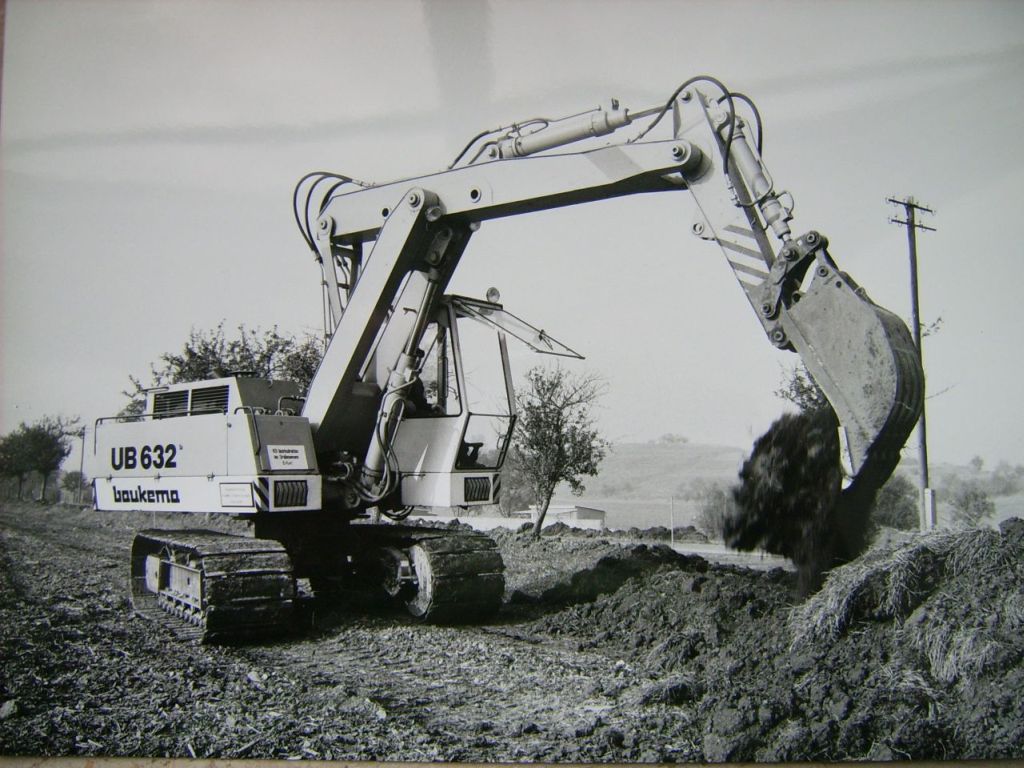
<point>147,496</point>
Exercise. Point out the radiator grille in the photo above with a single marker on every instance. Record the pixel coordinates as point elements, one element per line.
<point>477,489</point>
<point>210,400</point>
<point>290,493</point>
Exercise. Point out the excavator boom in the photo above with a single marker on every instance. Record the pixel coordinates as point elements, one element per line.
<point>860,355</point>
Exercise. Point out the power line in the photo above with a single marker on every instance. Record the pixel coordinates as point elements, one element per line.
<point>911,207</point>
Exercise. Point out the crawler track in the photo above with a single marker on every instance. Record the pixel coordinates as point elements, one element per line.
<point>457,576</point>
<point>206,586</point>
<point>209,586</point>
<point>459,579</point>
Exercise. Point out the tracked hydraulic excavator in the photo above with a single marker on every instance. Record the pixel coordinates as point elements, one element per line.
<point>412,404</point>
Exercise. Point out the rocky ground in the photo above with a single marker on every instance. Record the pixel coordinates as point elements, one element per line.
<point>606,650</point>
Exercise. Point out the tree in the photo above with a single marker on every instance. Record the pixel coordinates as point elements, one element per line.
<point>40,447</point>
<point>970,502</point>
<point>715,503</point>
<point>211,355</point>
<point>801,390</point>
<point>1005,480</point>
<point>671,438</point>
<point>49,443</point>
<point>14,458</point>
<point>554,440</point>
<point>74,483</point>
<point>515,492</point>
<point>977,464</point>
<point>929,329</point>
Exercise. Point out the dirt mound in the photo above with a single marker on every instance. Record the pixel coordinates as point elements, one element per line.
<point>566,570</point>
<point>615,569</point>
<point>679,612</point>
<point>789,500</point>
<point>657,533</point>
<point>914,650</point>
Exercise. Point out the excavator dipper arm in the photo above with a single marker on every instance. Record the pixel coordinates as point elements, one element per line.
<point>861,355</point>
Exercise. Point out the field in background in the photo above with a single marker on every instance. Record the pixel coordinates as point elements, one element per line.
<point>647,484</point>
<point>638,481</point>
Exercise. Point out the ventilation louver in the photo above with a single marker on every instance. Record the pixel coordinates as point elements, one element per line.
<point>477,489</point>
<point>166,404</point>
<point>210,400</point>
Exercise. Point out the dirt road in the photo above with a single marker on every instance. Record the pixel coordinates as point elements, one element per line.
<point>603,652</point>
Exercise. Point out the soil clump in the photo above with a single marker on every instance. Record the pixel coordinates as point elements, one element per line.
<point>789,500</point>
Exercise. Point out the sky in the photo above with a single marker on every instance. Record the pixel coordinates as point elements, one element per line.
<point>148,152</point>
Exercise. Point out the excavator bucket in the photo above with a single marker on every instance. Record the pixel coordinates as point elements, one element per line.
<point>808,487</point>
<point>865,361</point>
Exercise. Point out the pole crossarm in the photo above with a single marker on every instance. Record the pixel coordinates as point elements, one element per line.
<point>911,206</point>
<point>909,202</point>
<point>912,224</point>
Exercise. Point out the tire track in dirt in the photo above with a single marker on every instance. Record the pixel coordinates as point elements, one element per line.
<point>89,678</point>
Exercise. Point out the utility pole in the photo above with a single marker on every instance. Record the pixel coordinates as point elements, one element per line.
<point>81,468</point>
<point>672,520</point>
<point>910,208</point>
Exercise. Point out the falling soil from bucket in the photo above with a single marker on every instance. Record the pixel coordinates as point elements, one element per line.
<point>790,501</point>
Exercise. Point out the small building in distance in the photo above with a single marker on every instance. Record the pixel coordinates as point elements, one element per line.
<point>571,515</point>
<point>574,516</point>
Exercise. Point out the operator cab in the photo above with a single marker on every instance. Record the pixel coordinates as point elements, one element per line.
<point>461,409</point>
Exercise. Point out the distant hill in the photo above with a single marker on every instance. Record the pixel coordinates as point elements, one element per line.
<point>659,470</point>
<point>645,484</point>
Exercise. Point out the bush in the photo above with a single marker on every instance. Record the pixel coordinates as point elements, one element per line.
<point>969,501</point>
<point>896,505</point>
<point>1006,480</point>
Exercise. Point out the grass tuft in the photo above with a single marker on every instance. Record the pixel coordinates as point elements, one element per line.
<point>887,582</point>
<point>954,654</point>
<point>903,683</point>
<point>892,578</point>
<point>919,584</point>
<point>976,551</point>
